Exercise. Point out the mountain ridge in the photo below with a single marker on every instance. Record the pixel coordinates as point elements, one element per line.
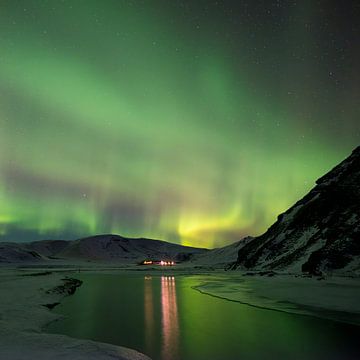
<point>103,247</point>
<point>319,233</point>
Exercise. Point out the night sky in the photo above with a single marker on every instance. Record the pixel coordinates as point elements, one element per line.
<point>195,122</point>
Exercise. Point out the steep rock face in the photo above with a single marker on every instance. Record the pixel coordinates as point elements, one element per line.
<point>321,232</point>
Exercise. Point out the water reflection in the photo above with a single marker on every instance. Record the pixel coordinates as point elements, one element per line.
<point>149,313</point>
<point>169,316</point>
<point>170,321</point>
<point>167,320</point>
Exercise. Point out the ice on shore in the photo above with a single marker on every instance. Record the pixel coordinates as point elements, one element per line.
<point>335,298</point>
<point>23,315</point>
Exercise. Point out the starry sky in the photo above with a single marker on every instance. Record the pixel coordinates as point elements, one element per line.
<point>195,122</point>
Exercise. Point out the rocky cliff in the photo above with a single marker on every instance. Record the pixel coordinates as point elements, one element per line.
<point>320,233</point>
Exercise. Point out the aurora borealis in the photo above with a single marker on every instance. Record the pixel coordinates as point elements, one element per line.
<point>195,122</point>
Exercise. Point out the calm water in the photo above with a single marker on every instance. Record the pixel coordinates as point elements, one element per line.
<point>164,318</point>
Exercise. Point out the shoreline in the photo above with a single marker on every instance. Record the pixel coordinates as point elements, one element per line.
<point>25,313</point>
<point>28,295</point>
<point>266,292</point>
<point>332,299</point>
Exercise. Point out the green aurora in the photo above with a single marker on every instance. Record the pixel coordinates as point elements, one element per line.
<point>185,122</point>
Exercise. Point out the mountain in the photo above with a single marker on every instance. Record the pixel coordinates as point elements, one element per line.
<point>114,247</point>
<point>320,233</point>
<point>108,248</point>
<point>48,248</point>
<point>220,257</point>
<point>13,252</point>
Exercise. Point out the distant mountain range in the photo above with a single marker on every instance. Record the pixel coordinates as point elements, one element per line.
<point>109,248</point>
<point>320,233</point>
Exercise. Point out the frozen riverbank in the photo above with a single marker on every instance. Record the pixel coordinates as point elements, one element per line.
<point>27,295</point>
<point>24,311</point>
<point>334,298</point>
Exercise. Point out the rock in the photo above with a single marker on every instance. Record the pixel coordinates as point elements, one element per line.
<point>319,234</point>
<point>68,288</point>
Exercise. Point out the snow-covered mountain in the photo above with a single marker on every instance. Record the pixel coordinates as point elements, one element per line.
<point>220,257</point>
<point>112,248</point>
<point>320,233</point>
<point>13,252</point>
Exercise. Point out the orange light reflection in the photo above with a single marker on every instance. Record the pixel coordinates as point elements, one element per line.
<point>170,321</point>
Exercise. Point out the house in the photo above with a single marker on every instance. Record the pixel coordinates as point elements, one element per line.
<point>158,262</point>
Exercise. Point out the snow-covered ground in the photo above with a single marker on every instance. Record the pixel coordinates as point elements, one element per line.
<point>23,316</point>
<point>336,298</point>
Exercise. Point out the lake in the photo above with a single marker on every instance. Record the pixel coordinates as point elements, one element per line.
<point>164,318</point>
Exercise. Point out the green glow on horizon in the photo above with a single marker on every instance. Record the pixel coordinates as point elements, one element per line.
<point>123,123</point>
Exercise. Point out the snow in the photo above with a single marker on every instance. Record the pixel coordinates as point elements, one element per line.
<point>335,298</point>
<point>295,266</point>
<point>220,257</point>
<point>106,248</point>
<point>10,252</point>
<point>23,316</point>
